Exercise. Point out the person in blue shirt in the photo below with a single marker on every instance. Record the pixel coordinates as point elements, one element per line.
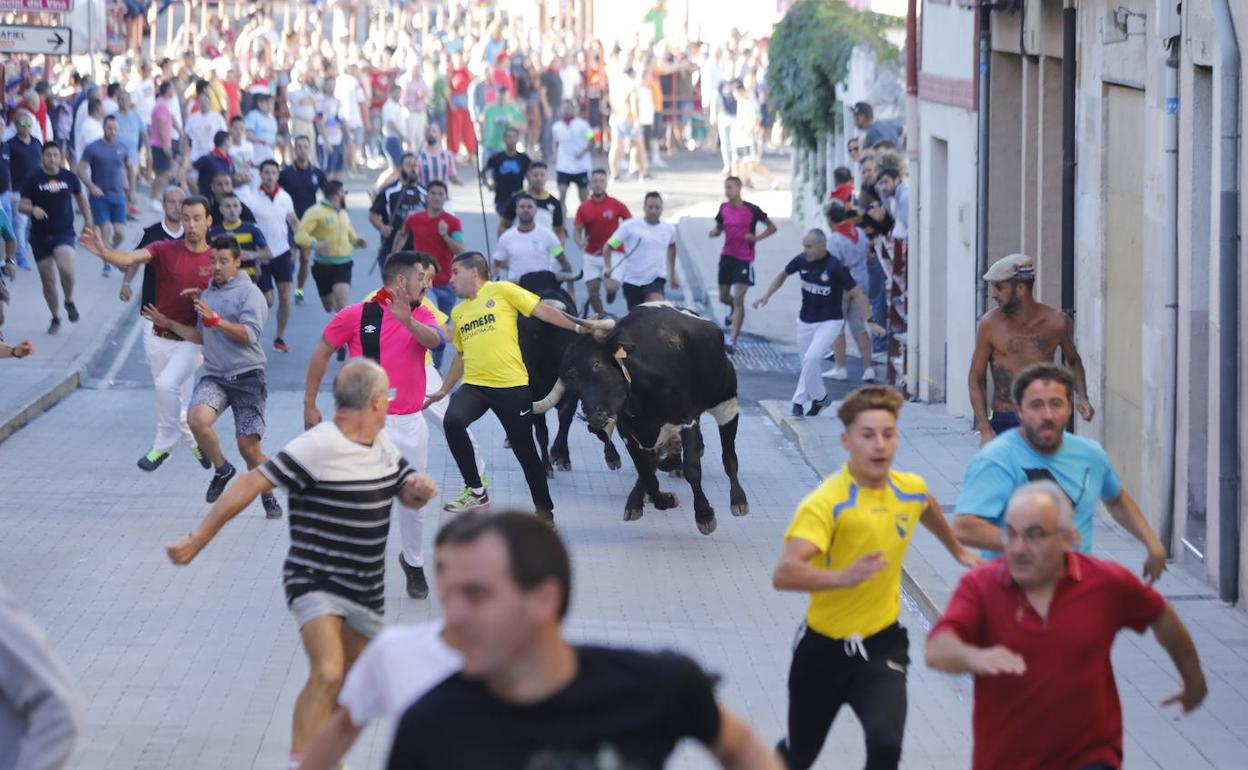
<point>1040,448</point>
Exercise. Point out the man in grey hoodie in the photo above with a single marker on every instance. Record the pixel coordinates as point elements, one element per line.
<point>232,312</point>
<point>40,709</point>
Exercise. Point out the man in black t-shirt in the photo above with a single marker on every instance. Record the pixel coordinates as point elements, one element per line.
<point>303,181</point>
<point>393,203</point>
<point>504,581</point>
<point>819,322</point>
<point>549,210</point>
<point>48,196</point>
<point>505,171</point>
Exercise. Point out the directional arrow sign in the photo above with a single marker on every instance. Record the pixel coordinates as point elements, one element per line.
<point>48,6</point>
<point>27,38</point>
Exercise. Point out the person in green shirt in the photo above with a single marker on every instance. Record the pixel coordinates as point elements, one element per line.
<point>655,17</point>
<point>438,94</point>
<point>498,117</point>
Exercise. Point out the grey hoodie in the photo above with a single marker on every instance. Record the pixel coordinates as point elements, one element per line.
<point>238,301</point>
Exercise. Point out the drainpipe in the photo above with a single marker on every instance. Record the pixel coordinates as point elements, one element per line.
<point>981,203</point>
<point>1170,240</point>
<point>1228,309</point>
<point>1069,19</point>
<point>910,350</point>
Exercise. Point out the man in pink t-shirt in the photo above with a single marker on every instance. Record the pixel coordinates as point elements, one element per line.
<point>395,331</point>
<point>737,221</point>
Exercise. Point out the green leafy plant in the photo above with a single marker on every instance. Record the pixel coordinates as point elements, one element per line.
<point>809,54</point>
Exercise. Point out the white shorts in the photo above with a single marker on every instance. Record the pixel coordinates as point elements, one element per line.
<point>593,267</point>
<point>315,604</point>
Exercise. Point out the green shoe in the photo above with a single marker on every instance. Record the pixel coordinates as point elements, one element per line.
<point>468,501</point>
<point>485,480</point>
<point>204,462</point>
<point>152,460</point>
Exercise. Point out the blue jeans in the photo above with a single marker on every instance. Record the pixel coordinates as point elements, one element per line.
<point>444,297</point>
<point>878,294</point>
<point>394,149</point>
<point>21,226</point>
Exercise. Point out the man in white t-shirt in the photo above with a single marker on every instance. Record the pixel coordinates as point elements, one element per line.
<point>572,136</point>
<point>202,126</point>
<point>274,211</point>
<point>649,259</point>
<point>528,248</point>
<point>350,95</point>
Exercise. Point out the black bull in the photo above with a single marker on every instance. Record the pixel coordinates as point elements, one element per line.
<point>651,375</point>
<point>542,347</point>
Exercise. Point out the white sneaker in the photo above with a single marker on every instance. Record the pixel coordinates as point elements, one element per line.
<point>837,373</point>
<point>868,374</point>
<point>880,357</point>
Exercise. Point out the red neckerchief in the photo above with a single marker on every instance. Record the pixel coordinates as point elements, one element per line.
<point>568,121</point>
<point>843,192</point>
<point>847,229</point>
<point>217,151</point>
<point>272,195</point>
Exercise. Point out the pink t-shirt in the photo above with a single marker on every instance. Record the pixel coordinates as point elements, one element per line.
<point>162,123</point>
<point>402,356</point>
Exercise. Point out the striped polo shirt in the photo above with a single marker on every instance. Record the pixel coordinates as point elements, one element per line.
<point>339,499</point>
<point>434,165</point>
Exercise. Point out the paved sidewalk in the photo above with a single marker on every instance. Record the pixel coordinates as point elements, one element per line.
<point>940,448</point>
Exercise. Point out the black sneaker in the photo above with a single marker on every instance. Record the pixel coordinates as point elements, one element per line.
<point>152,460</point>
<point>71,310</point>
<point>728,321</point>
<point>219,480</point>
<point>546,515</point>
<point>55,326</point>
<point>272,508</point>
<point>342,353</point>
<point>417,586</point>
<point>797,410</point>
<point>817,406</point>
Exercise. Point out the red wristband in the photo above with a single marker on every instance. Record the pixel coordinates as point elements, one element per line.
<point>211,322</point>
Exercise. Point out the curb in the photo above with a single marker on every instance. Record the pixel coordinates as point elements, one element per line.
<point>58,387</point>
<point>806,444</point>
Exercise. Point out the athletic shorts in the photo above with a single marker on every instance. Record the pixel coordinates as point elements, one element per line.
<point>626,130</point>
<point>593,266</point>
<point>277,270</point>
<point>326,274</point>
<point>635,295</point>
<point>581,180</point>
<point>855,321</point>
<point>42,246</point>
<point>245,395</point>
<point>735,271</point>
<point>316,604</point>
<point>109,209</point>
<point>161,161</point>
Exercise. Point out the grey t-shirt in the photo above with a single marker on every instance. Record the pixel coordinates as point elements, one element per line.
<point>107,161</point>
<point>238,301</point>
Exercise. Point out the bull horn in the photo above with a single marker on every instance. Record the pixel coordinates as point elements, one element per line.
<point>552,398</point>
<point>609,429</point>
<point>557,304</point>
<point>597,325</point>
<point>569,277</point>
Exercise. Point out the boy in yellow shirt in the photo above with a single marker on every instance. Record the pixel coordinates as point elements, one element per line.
<point>326,229</point>
<point>845,547</point>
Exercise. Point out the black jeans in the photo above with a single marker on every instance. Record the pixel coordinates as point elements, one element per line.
<point>514,409</point>
<point>825,675</point>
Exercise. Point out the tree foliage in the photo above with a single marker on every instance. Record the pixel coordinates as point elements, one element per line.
<point>809,54</point>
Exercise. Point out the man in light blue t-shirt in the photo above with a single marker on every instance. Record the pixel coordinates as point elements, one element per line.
<point>1040,448</point>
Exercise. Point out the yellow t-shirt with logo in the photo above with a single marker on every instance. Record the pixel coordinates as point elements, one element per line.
<point>438,315</point>
<point>484,331</point>
<point>847,521</point>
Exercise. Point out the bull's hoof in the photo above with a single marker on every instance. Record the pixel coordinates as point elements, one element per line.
<point>676,473</point>
<point>665,500</point>
<point>669,463</point>
<point>632,514</point>
<point>613,463</point>
<point>706,526</point>
<point>740,509</point>
<point>563,464</point>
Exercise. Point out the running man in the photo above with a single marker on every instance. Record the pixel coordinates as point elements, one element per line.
<point>845,547</point>
<point>231,315</point>
<point>104,169</point>
<point>393,204</point>
<point>484,331</point>
<point>597,219</point>
<point>649,247</point>
<point>326,229</point>
<point>505,171</point>
<point>340,476</point>
<point>255,249</point>
<point>439,233</point>
<point>180,268</point>
<point>527,247</point>
<point>48,196</point>
<point>549,211</point>
<point>275,215</point>
<point>737,221</point>
<point>393,329</point>
<point>1017,333</point>
<point>825,281</point>
<point>302,179</point>
<point>573,140</point>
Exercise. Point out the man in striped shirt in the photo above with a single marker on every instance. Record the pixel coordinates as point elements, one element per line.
<point>341,477</point>
<point>436,162</point>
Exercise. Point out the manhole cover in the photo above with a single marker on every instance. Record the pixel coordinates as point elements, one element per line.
<point>755,354</point>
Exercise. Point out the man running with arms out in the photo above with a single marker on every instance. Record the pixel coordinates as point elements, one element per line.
<point>845,547</point>
<point>393,329</point>
<point>48,196</point>
<point>825,281</point>
<point>527,247</point>
<point>1017,333</point>
<point>1041,448</point>
<point>525,697</point>
<point>275,212</point>
<point>1035,630</point>
<point>495,378</point>
<point>649,247</point>
<point>597,219</point>
<point>326,229</point>
<point>341,476</point>
<point>736,220</point>
<point>179,267</point>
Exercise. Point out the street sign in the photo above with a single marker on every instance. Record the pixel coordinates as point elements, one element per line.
<point>42,6</point>
<point>27,38</point>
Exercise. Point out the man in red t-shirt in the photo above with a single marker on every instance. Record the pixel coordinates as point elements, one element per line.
<point>180,265</point>
<point>439,233</point>
<point>459,129</point>
<point>596,221</point>
<point>1035,629</point>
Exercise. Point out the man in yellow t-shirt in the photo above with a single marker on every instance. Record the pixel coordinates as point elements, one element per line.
<point>483,328</point>
<point>845,547</point>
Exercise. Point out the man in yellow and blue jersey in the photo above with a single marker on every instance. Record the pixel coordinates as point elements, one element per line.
<point>845,547</point>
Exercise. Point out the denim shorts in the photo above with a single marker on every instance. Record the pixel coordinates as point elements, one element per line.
<point>316,604</point>
<point>109,209</point>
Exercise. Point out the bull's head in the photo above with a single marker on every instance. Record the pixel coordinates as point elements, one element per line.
<point>597,373</point>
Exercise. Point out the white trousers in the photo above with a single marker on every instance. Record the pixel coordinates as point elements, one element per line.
<point>416,122</point>
<point>173,364</point>
<point>411,435</point>
<point>813,342</point>
<point>437,411</point>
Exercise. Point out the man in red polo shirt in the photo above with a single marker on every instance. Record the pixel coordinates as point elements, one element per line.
<point>597,220</point>
<point>1036,628</point>
<point>440,234</point>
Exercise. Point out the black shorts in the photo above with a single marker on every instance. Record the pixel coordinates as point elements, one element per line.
<point>42,246</point>
<point>161,161</point>
<point>733,271</point>
<point>581,180</point>
<point>280,269</point>
<point>635,295</point>
<point>326,274</point>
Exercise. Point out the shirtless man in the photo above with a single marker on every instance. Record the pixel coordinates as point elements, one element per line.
<point>1017,333</point>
